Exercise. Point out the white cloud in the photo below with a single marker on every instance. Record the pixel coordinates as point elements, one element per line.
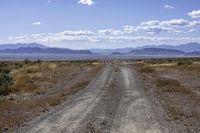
<point>150,23</point>
<point>95,37</point>
<point>110,32</point>
<point>86,2</point>
<point>128,34</point>
<point>77,33</point>
<point>157,27</point>
<point>174,23</point>
<point>129,29</point>
<point>194,14</point>
<point>194,24</point>
<point>168,7</point>
<point>37,23</point>
<point>193,30</point>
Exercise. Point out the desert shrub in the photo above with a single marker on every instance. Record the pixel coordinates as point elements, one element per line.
<point>174,112</point>
<point>23,83</point>
<point>5,82</point>
<point>2,98</point>
<point>171,85</point>
<point>180,63</point>
<point>26,61</point>
<point>38,61</point>
<point>146,69</point>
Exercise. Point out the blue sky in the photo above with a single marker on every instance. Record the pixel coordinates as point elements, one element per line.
<point>83,24</point>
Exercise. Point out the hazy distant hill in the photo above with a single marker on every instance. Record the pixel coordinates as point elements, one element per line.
<point>195,53</point>
<point>21,45</point>
<point>189,47</point>
<point>36,50</point>
<point>110,51</point>
<point>157,51</point>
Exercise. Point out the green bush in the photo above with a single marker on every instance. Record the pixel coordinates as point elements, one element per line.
<point>5,81</point>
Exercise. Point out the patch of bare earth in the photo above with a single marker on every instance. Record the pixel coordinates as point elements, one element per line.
<point>39,86</point>
<point>173,89</point>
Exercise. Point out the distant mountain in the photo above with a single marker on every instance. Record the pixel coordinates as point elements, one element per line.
<point>157,51</point>
<point>189,47</point>
<point>110,51</point>
<point>37,50</point>
<point>195,53</point>
<point>21,45</point>
<point>117,53</point>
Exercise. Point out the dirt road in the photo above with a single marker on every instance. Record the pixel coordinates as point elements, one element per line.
<point>112,102</point>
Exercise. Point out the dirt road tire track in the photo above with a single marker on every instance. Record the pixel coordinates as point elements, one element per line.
<point>112,102</point>
<point>68,117</point>
<point>134,114</point>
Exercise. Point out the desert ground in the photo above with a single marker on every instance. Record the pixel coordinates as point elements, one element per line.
<point>101,96</point>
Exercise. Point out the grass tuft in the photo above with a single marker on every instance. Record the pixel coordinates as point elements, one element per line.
<point>170,85</point>
<point>146,69</point>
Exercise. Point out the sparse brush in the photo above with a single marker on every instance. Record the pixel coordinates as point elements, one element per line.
<point>5,81</point>
<point>174,112</point>
<point>180,63</point>
<point>146,69</point>
<point>54,101</point>
<point>170,85</point>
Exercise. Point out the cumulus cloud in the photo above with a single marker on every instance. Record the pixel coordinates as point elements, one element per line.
<point>168,7</point>
<point>37,23</point>
<point>194,14</point>
<point>110,32</point>
<point>174,23</point>
<point>77,33</point>
<point>92,37</point>
<point>127,34</point>
<point>194,24</point>
<point>150,23</point>
<point>129,29</point>
<point>157,27</point>
<point>86,2</point>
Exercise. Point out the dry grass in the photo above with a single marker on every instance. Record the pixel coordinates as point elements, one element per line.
<point>38,86</point>
<point>146,70</point>
<point>174,86</point>
<point>174,112</point>
<point>170,85</point>
<point>29,78</point>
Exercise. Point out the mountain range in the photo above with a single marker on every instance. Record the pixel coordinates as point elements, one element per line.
<point>187,48</point>
<point>157,51</point>
<point>21,45</point>
<point>34,48</point>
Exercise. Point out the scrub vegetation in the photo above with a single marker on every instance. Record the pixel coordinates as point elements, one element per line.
<point>28,88</point>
